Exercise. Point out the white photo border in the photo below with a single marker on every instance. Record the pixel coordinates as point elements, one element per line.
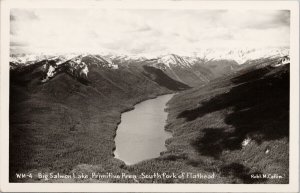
<point>293,185</point>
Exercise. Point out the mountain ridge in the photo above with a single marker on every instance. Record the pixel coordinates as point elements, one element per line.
<point>238,55</point>
<point>190,70</point>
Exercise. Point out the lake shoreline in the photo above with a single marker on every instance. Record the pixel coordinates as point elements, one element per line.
<point>133,108</point>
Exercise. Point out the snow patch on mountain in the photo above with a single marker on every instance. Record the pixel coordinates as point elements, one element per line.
<point>84,70</point>
<point>50,69</point>
<point>282,61</point>
<point>241,55</point>
<point>78,66</point>
<point>175,60</point>
<point>27,59</point>
<point>109,60</point>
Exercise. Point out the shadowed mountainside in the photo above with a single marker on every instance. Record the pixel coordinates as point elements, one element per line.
<point>239,125</point>
<point>260,108</point>
<point>162,79</point>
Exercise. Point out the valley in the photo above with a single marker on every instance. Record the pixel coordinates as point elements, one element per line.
<point>228,119</point>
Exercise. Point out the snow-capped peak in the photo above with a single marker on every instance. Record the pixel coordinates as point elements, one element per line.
<point>168,60</point>
<point>242,55</point>
<point>173,59</point>
<point>27,59</point>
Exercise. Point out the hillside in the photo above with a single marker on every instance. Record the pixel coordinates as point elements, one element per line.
<point>65,114</point>
<point>234,126</point>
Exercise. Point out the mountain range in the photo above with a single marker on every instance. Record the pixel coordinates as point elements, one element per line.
<point>190,70</point>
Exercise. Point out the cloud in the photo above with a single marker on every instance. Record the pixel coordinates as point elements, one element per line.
<point>12,18</point>
<point>23,14</point>
<point>146,31</point>
<point>283,17</point>
<point>18,44</point>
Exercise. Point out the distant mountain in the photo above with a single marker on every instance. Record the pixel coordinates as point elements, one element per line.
<point>173,60</point>
<point>24,60</point>
<point>28,59</point>
<point>178,68</point>
<point>241,56</point>
<point>209,64</point>
<point>192,70</point>
<point>83,68</point>
<point>197,68</point>
<point>162,79</point>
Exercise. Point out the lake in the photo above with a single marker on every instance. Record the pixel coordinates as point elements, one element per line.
<point>141,134</point>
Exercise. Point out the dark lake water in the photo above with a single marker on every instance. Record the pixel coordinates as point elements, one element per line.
<point>141,134</point>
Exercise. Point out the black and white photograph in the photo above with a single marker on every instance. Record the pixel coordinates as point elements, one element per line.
<point>150,96</point>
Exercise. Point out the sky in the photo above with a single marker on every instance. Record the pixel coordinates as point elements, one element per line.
<point>138,32</point>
